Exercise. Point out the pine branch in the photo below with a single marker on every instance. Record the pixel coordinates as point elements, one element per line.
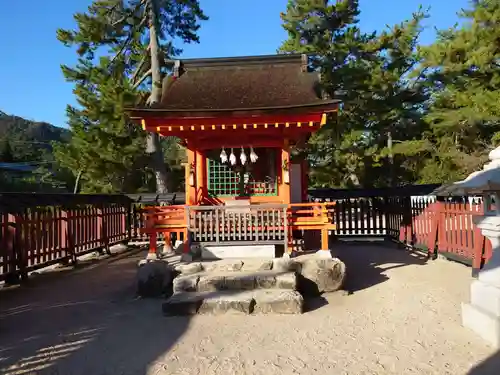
<point>143,77</point>
<point>124,18</point>
<point>129,39</point>
<point>140,66</point>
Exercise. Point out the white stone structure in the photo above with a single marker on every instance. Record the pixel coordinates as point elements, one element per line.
<point>482,314</point>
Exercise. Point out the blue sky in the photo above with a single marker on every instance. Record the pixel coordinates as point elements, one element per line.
<point>32,85</point>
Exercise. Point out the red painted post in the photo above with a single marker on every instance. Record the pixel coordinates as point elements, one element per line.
<point>432,239</point>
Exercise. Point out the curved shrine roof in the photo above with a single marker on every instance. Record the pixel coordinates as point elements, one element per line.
<point>240,84</point>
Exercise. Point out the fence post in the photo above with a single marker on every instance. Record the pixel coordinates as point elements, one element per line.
<point>67,237</point>
<point>129,221</point>
<point>103,225</point>
<point>21,244</point>
<point>432,239</point>
<point>408,221</point>
<point>11,249</point>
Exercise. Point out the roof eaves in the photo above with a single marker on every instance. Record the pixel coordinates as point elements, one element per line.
<point>223,110</point>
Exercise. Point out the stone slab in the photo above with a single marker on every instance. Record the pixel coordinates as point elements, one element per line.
<point>184,303</point>
<point>238,251</point>
<point>286,265</point>
<point>210,283</point>
<point>240,281</point>
<point>189,268</point>
<point>278,302</point>
<point>287,280</point>
<point>483,323</point>
<point>251,265</point>
<point>222,265</point>
<point>227,302</point>
<point>186,283</point>
<point>485,297</point>
<point>318,275</point>
<point>229,280</point>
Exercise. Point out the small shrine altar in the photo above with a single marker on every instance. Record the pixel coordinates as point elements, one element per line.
<point>238,119</point>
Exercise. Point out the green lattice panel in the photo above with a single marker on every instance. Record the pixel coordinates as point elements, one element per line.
<point>222,180</point>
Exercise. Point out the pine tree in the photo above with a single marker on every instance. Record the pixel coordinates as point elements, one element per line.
<point>137,37</point>
<point>369,73</point>
<point>105,148</point>
<point>462,69</point>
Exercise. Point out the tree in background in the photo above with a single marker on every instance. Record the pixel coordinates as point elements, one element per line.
<point>463,71</point>
<point>369,73</point>
<point>105,150</point>
<point>135,38</point>
<point>6,154</point>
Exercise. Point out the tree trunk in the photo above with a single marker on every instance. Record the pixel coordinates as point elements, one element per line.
<point>392,179</point>
<point>153,140</point>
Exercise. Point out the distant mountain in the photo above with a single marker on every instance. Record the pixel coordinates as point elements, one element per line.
<point>29,140</point>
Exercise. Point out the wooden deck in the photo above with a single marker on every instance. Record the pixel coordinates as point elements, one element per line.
<point>239,224</point>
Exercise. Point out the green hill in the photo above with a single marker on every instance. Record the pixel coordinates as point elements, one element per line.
<point>29,140</point>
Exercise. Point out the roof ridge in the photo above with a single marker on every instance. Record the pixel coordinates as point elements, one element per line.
<point>258,60</point>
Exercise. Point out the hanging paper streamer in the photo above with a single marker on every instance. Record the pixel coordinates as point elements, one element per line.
<point>232,158</point>
<point>243,157</point>
<point>253,155</point>
<point>223,156</point>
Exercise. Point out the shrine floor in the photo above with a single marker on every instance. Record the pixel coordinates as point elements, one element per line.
<point>402,316</point>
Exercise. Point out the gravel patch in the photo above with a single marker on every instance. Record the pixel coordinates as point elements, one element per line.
<point>401,316</point>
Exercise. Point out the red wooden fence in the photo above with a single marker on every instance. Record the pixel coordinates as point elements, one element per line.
<point>37,230</point>
<point>33,237</point>
<point>447,228</point>
<point>421,222</point>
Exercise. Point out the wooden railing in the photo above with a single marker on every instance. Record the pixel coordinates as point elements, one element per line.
<point>39,230</point>
<point>238,224</point>
<point>256,224</point>
<point>317,217</point>
<point>168,221</point>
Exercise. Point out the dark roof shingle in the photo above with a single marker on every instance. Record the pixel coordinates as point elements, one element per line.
<point>241,83</point>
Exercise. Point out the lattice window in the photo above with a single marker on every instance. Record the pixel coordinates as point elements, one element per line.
<point>251,179</point>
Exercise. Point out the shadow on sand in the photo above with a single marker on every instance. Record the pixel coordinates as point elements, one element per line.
<point>366,261</point>
<point>86,322</point>
<point>490,366</point>
<point>90,322</point>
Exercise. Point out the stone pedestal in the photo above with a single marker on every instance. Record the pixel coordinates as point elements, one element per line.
<point>482,314</point>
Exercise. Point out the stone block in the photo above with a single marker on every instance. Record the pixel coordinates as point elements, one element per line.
<point>265,280</point>
<point>186,283</point>
<point>286,281</point>
<point>189,269</point>
<point>239,281</point>
<point>227,302</point>
<point>483,323</point>
<point>252,265</point>
<point>154,278</point>
<point>223,265</point>
<point>286,265</point>
<point>486,297</point>
<point>318,275</point>
<point>238,252</point>
<point>211,283</point>
<point>278,302</point>
<point>184,303</point>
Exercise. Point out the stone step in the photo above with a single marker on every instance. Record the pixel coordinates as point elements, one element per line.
<point>265,301</point>
<point>226,265</point>
<point>219,281</point>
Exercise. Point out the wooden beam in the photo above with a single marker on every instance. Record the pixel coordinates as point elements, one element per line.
<point>237,120</point>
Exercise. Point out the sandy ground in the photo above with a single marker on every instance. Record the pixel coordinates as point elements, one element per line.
<point>403,317</point>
